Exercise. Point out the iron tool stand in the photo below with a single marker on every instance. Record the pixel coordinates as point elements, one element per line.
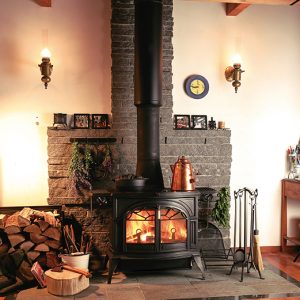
<point>243,198</point>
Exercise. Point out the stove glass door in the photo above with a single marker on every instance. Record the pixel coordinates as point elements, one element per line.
<point>140,227</point>
<point>173,224</point>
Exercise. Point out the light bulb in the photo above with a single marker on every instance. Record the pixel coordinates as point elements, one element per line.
<point>46,53</point>
<point>236,59</point>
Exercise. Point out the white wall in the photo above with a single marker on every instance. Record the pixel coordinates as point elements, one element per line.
<point>78,35</point>
<point>264,115</point>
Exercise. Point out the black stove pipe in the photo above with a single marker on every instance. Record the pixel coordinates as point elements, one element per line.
<point>148,89</point>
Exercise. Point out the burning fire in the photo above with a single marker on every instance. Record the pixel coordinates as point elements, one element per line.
<point>140,227</point>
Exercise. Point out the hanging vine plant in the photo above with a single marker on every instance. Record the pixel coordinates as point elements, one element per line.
<point>220,212</point>
<point>89,163</point>
<point>81,167</point>
<point>106,160</point>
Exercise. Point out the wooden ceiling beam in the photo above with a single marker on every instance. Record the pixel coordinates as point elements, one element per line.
<point>44,3</point>
<point>233,9</point>
<point>266,2</point>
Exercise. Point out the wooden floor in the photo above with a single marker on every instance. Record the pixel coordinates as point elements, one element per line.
<point>284,262</point>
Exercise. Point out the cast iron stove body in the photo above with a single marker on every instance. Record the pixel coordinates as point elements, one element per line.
<point>154,230</point>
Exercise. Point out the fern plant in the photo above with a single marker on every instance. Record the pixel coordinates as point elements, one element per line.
<point>220,212</point>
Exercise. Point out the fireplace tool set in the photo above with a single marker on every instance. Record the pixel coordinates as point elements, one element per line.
<point>246,251</point>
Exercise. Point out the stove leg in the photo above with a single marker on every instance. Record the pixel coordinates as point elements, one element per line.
<point>197,259</point>
<point>112,265</point>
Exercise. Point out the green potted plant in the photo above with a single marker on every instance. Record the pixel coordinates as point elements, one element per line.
<point>220,212</point>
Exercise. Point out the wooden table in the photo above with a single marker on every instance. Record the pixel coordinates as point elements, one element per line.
<point>290,189</point>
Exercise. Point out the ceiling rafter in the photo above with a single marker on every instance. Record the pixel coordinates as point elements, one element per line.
<point>44,3</point>
<point>233,9</point>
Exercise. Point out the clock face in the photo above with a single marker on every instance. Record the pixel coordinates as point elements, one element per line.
<point>196,86</point>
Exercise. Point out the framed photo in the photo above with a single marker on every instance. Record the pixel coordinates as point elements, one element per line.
<point>199,122</point>
<point>81,121</point>
<point>182,121</point>
<point>100,121</point>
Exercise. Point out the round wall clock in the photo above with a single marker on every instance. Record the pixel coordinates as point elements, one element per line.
<point>196,86</point>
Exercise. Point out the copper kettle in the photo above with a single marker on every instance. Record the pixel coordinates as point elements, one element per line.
<point>183,179</point>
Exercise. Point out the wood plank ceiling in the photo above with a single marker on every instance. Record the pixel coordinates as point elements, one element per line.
<point>234,7</point>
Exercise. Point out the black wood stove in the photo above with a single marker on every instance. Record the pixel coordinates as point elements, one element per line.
<point>153,227</point>
<point>154,231</point>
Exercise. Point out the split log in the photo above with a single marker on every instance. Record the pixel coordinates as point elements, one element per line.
<point>4,248</point>
<point>33,228</point>
<point>16,239</point>
<point>53,244</point>
<point>42,247</point>
<point>51,218</point>
<point>24,216</point>
<point>3,219</point>
<point>33,255</point>
<point>52,259</point>
<point>12,229</point>
<point>26,246</point>
<point>42,224</point>
<point>53,233</point>
<point>12,220</point>
<point>65,283</point>
<point>12,224</point>
<point>11,250</point>
<point>37,238</point>
<point>42,260</point>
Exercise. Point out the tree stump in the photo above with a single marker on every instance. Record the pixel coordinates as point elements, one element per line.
<point>65,283</point>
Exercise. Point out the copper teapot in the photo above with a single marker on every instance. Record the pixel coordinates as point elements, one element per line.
<point>183,179</point>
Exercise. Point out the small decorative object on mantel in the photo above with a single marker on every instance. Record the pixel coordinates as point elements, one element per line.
<point>182,121</point>
<point>221,125</point>
<point>199,122</point>
<point>100,121</point>
<point>212,123</point>
<point>196,86</point>
<point>81,121</point>
<point>59,120</point>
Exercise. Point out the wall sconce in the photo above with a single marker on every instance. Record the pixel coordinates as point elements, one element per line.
<point>46,67</point>
<point>233,74</point>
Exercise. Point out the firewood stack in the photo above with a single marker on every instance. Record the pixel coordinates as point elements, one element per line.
<point>37,233</point>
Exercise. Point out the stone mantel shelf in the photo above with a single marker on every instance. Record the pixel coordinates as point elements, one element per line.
<point>90,140</point>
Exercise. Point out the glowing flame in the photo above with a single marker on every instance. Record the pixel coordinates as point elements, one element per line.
<point>140,228</point>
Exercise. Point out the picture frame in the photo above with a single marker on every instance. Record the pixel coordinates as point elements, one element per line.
<point>182,121</point>
<point>199,122</point>
<point>81,121</point>
<point>100,121</point>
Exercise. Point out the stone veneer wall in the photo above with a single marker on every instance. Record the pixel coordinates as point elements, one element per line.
<point>208,150</point>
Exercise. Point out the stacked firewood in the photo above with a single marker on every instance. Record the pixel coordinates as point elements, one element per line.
<point>37,233</point>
